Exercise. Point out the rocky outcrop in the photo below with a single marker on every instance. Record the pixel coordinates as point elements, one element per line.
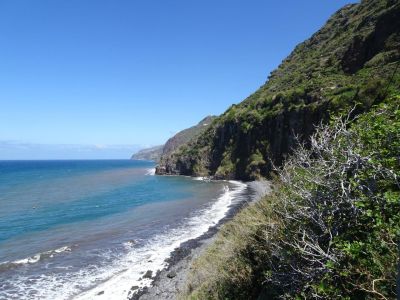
<point>349,62</point>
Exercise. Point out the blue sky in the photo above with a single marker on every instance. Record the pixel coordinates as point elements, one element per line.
<point>112,76</point>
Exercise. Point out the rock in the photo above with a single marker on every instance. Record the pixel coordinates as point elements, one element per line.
<point>148,274</point>
<point>131,242</point>
<point>171,274</point>
<point>134,288</point>
<point>160,170</point>
<point>100,293</point>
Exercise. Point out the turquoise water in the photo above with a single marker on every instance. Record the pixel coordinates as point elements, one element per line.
<point>72,229</point>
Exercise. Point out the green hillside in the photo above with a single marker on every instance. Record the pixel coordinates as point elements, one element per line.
<point>327,123</point>
<point>351,60</point>
<point>331,228</point>
<point>181,138</point>
<point>153,153</point>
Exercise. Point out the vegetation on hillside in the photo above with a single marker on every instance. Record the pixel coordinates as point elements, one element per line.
<point>158,153</point>
<point>349,61</point>
<point>180,140</point>
<point>331,228</point>
<point>153,153</point>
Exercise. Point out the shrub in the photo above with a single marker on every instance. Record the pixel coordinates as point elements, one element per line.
<point>329,231</point>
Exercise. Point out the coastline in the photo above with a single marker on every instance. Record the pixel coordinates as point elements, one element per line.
<point>170,281</point>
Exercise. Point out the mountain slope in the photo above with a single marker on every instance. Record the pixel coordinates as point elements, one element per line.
<point>181,138</point>
<point>329,230</point>
<point>153,153</point>
<point>157,153</point>
<point>350,60</point>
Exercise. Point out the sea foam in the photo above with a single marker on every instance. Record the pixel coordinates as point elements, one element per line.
<point>151,171</point>
<point>152,257</point>
<point>115,280</point>
<point>32,259</point>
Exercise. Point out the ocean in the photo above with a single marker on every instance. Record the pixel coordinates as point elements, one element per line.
<point>91,229</point>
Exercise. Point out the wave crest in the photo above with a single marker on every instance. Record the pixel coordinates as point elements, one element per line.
<point>7,265</point>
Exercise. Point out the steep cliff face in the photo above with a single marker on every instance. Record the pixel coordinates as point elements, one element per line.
<point>351,60</point>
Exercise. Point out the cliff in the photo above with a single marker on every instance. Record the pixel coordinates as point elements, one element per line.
<point>350,60</point>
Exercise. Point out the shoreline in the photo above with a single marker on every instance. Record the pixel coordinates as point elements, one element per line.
<point>170,281</point>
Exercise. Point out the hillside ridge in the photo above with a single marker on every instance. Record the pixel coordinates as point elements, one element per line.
<point>152,153</point>
<point>156,153</point>
<point>349,61</point>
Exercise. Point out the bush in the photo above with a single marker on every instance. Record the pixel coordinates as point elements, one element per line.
<point>330,229</point>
